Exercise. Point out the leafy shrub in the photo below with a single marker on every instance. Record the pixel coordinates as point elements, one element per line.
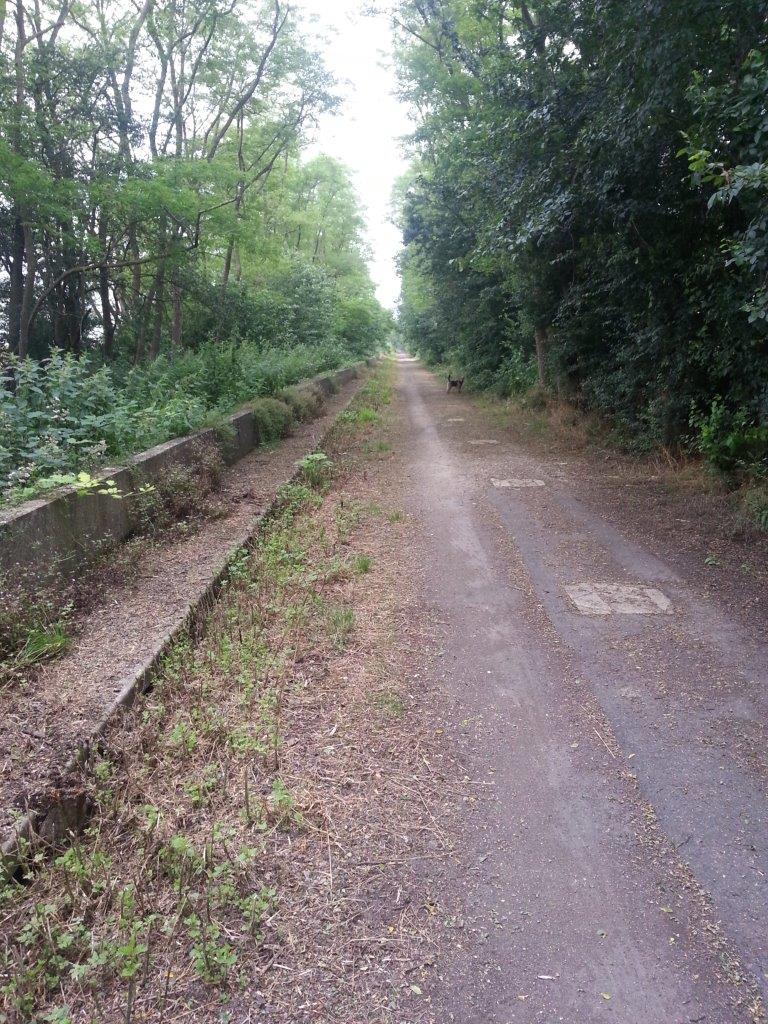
<point>271,419</point>
<point>731,440</point>
<point>304,402</point>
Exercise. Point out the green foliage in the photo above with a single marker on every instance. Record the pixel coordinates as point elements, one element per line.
<point>315,470</point>
<point>731,441</point>
<point>362,564</point>
<point>43,643</point>
<point>549,197</point>
<point>756,506</point>
<point>167,252</point>
<point>271,419</point>
<point>67,417</point>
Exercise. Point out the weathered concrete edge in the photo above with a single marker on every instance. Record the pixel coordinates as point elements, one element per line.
<point>48,538</point>
<point>140,681</point>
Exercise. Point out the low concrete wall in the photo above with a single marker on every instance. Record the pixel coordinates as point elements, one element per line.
<point>53,537</point>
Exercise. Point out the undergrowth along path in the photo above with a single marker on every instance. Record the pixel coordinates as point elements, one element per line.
<point>261,815</point>
<point>144,594</point>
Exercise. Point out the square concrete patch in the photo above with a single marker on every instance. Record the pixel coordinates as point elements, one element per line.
<point>618,599</point>
<point>517,482</point>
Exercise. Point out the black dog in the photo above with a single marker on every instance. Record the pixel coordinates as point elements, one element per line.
<point>455,382</point>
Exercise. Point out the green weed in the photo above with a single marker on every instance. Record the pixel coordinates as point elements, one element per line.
<point>42,644</point>
<point>756,506</point>
<point>388,702</point>
<point>315,470</point>
<point>341,622</point>
<point>362,564</point>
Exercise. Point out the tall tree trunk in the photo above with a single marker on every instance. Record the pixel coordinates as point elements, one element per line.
<point>106,306</point>
<point>143,316</point>
<point>28,295</point>
<point>16,283</point>
<point>227,265</point>
<point>157,330</point>
<point>541,335</point>
<point>176,307</point>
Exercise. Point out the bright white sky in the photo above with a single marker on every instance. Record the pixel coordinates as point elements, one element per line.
<point>365,133</point>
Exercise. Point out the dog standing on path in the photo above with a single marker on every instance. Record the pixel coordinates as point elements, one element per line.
<point>455,382</point>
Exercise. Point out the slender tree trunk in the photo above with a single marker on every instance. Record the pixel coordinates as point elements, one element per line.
<point>157,331</point>
<point>541,335</point>
<point>133,247</point>
<point>143,316</point>
<point>176,307</point>
<point>227,265</point>
<point>106,307</point>
<point>16,284</point>
<point>28,295</point>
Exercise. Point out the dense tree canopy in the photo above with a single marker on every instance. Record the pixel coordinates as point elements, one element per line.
<point>167,248</point>
<point>151,187</point>
<point>590,187</point>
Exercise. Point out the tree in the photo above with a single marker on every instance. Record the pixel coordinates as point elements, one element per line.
<point>551,217</point>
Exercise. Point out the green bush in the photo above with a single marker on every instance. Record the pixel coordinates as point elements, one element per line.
<point>304,402</point>
<point>731,441</point>
<point>271,419</point>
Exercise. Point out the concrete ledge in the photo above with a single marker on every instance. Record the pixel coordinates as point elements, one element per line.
<point>68,811</point>
<point>51,538</point>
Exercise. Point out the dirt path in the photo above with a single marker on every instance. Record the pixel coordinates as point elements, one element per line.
<point>617,757</point>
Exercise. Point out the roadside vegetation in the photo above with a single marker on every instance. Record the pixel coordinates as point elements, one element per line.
<point>585,214</point>
<point>231,807</point>
<point>167,249</point>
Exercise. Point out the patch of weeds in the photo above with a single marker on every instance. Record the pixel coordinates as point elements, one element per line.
<point>295,498</point>
<point>375,393</point>
<point>199,793</point>
<point>712,561</point>
<point>26,607</point>
<point>341,622</point>
<point>43,643</point>
<point>212,957</point>
<point>359,417</point>
<point>176,495</point>
<point>347,516</point>
<point>396,516</point>
<point>315,470</point>
<point>389,703</point>
<point>282,805</point>
<point>362,564</point>
<point>184,737</point>
<point>756,506</point>
<point>335,570</point>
